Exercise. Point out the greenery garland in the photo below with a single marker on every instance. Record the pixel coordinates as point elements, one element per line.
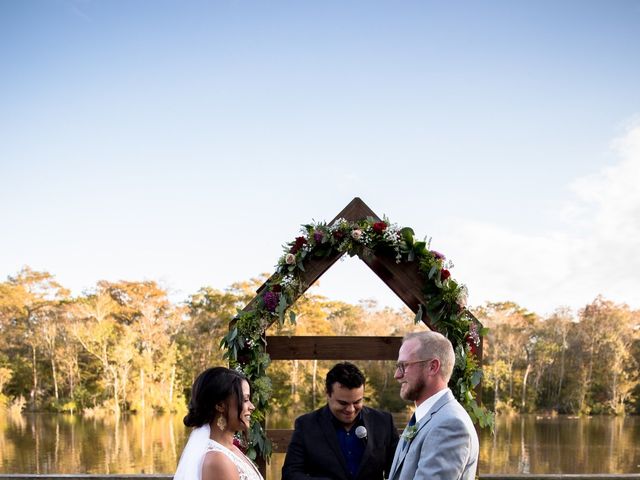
<point>444,303</point>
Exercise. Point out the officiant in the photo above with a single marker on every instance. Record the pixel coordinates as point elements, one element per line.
<point>344,439</point>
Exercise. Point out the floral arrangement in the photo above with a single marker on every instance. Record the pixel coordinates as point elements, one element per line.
<point>409,432</point>
<point>444,304</point>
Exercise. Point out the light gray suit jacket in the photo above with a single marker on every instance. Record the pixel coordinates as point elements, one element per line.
<point>445,446</point>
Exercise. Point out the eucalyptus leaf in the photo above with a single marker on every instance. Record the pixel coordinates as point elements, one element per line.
<point>418,318</point>
<point>476,378</point>
<point>232,335</point>
<point>281,308</point>
<point>433,270</point>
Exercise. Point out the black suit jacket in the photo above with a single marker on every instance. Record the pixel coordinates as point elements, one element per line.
<point>314,450</point>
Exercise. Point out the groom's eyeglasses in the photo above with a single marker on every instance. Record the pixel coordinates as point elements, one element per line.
<point>402,366</point>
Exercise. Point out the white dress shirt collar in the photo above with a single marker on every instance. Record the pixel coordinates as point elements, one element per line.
<point>424,407</point>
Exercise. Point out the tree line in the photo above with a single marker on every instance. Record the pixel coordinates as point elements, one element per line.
<point>126,347</point>
<point>579,364</point>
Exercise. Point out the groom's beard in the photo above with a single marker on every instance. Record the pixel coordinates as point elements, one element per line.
<point>412,392</point>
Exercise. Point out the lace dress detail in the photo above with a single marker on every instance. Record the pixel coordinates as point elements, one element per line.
<point>246,469</point>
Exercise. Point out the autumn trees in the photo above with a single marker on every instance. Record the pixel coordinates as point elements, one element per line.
<point>581,364</point>
<point>117,347</point>
<point>30,313</point>
<point>125,346</point>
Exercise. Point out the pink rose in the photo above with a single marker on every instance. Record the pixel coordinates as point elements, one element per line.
<point>290,259</point>
<point>356,234</point>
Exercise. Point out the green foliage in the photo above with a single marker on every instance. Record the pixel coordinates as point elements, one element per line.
<point>578,364</point>
<point>581,364</point>
<point>444,304</point>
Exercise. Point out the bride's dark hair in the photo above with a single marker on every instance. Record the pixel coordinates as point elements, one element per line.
<point>214,385</point>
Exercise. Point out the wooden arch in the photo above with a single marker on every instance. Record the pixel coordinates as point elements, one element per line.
<point>404,279</point>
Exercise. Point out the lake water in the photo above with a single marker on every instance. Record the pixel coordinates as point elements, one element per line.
<point>41,443</point>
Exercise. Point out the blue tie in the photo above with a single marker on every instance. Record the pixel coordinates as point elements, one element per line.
<point>412,422</point>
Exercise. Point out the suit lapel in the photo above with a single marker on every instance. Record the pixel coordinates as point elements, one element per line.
<point>396,459</point>
<point>369,445</point>
<point>441,402</point>
<point>401,453</point>
<point>329,431</point>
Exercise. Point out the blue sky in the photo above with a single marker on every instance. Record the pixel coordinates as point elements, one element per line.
<point>185,142</point>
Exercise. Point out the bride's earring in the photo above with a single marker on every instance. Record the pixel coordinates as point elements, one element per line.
<point>221,423</point>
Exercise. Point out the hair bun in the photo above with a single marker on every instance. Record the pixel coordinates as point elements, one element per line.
<point>193,418</point>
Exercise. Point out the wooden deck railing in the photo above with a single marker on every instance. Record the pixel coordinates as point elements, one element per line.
<point>586,476</point>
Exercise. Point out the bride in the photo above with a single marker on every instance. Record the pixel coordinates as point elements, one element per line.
<point>220,406</point>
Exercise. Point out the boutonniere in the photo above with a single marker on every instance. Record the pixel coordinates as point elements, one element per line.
<point>410,432</point>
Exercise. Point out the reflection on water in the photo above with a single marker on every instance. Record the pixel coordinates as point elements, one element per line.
<point>41,443</point>
<point>537,444</point>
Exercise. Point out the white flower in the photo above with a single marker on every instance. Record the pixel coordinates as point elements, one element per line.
<point>290,259</point>
<point>410,432</point>
<point>337,224</point>
<point>356,234</point>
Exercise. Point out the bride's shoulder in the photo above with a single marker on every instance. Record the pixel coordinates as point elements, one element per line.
<point>218,465</point>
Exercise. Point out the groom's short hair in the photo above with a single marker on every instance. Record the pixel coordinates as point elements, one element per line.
<point>435,345</point>
<point>345,373</point>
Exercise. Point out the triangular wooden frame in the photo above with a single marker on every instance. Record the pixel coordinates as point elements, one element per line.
<point>403,279</point>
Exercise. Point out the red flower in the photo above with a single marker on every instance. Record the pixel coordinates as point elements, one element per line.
<point>379,227</point>
<point>297,245</point>
<point>277,288</point>
<point>239,445</point>
<point>473,338</point>
<point>444,274</point>
<point>338,234</point>
<point>473,346</point>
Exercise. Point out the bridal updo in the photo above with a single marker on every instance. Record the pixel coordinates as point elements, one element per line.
<point>213,386</point>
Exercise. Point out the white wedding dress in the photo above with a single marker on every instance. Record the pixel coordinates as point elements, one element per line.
<point>199,444</point>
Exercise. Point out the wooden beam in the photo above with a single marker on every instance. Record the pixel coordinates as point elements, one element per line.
<point>354,211</point>
<point>333,348</point>
<point>281,438</point>
<point>403,279</point>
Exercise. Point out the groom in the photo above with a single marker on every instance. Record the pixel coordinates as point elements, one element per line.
<point>442,443</point>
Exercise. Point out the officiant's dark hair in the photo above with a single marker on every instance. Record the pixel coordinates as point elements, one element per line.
<point>214,385</point>
<point>345,373</point>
